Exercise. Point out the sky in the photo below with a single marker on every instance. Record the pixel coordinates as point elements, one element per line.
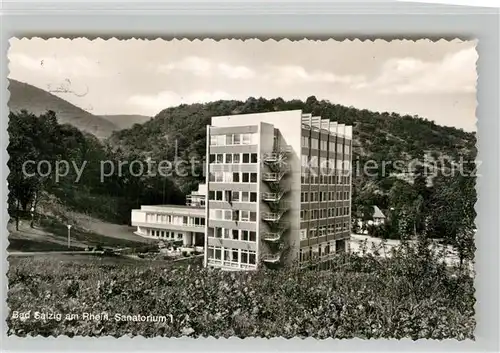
<point>434,80</point>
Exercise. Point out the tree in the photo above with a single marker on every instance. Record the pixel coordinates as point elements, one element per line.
<point>454,215</point>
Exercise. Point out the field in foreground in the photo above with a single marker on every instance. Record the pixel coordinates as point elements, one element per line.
<point>409,295</point>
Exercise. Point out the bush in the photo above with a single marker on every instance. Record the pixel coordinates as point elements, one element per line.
<point>411,294</point>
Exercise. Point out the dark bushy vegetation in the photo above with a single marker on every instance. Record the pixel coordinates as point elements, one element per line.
<point>411,294</point>
<point>42,138</point>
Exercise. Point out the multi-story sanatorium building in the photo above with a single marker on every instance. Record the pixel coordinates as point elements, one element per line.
<point>278,187</point>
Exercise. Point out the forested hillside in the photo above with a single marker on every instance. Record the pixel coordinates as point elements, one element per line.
<point>37,101</point>
<point>42,138</point>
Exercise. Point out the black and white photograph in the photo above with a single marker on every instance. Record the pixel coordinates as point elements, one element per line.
<point>242,188</point>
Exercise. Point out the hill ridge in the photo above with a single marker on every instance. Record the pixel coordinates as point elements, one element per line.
<point>24,96</point>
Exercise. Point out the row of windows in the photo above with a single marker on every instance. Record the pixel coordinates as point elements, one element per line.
<point>233,215</point>
<point>233,139</point>
<point>324,230</point>
<point>165,234</point>
<point>234,234</point>
<point>323,144</point>
<point>321,250</point>
<point>232,177</point>
<point>325,179</point>
<point>322,196</point>
<point>231,257</point>
<point>232,196</point>
<point>175,220</point>
<point>324,213</point>
<point>233,158</point>
<point>325,164</point>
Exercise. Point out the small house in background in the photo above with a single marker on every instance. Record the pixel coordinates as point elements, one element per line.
<point>378,216</point>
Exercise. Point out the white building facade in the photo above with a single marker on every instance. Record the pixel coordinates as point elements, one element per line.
<point>184,225</point>
<point>277,191</point>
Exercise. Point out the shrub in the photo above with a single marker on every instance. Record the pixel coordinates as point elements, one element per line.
<point>409,294</point>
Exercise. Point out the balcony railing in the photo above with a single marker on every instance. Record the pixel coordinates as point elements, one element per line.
<point>273,196</point>
<point>275,176</point>
<point>271,258</point>
<point>274,236</point>
<point>277,156</point>
<point>272,216</point>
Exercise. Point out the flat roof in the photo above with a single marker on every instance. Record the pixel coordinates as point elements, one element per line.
<point>175,206</point>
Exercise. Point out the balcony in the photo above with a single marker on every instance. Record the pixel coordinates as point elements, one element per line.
<point>273,196</point>
<point>271,258</point>
<point>272,216</point>
<point>274,236</point>
<point>275,177</point>
<point>277,156</point>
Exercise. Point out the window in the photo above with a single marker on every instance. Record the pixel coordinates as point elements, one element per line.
<point>253,197</point>
<point>253,177</point>
<point>303,234</point>
<point>229,139</point>
<point>245,216</point>
<point>244,257</point>
<point>236,158</point>
<point>246,157</point>
<point>304,160</point>
<point>314,143</point>
<point>253,235</point>
<point>234,256</point>
<point>247,257</point>
<point>225,233</point>
<point>235,234</point>
<point>244,196</point>
<point>253,158</point>
<point>237,139</point>
<point>211,252</point>
<point>305,141</point>
<point>246,139</point>
<point>236,177</point>
<point>245,235</point>
<point>229,158</point>
<point>217,177</point>
<point>246,177</point>
<point>228,177</point>
<point>218,232</point>
<point>236,196</point>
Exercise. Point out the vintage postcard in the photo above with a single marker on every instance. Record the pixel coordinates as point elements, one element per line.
<point>246,188</point>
